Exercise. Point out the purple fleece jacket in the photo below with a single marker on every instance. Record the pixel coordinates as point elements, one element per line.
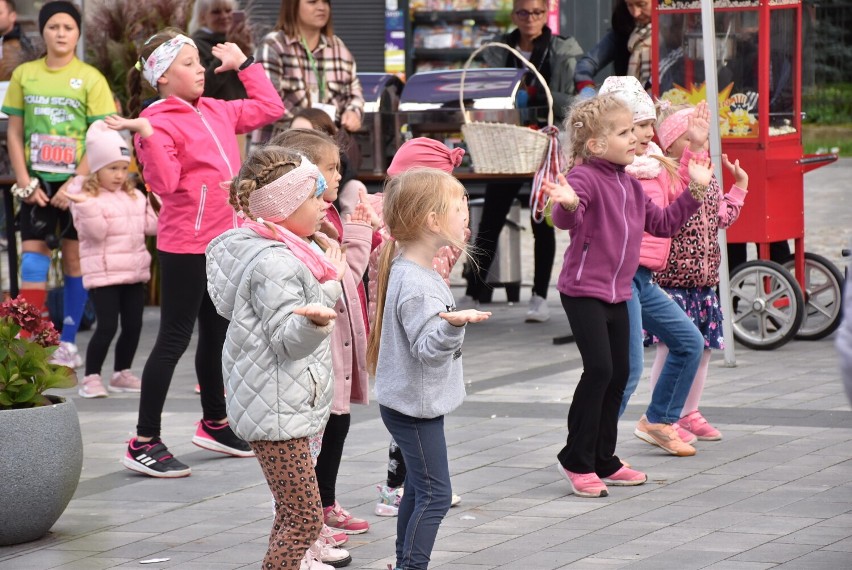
<point>606,230</point>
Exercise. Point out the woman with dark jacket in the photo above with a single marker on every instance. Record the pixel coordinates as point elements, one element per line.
<point>213,23</point>
<point>626,46</point>
<point>555,58</point>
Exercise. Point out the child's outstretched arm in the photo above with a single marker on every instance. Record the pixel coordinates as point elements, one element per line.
<point>461,318</point>
<point>140,126</point>
<point>155,151</point>
<point>665,222</point>
<point>732,202</point>
<point>567,212</point>
<point>358,238</point>
<point>698,127</point>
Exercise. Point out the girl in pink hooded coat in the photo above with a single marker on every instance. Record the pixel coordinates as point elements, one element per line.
<point>112,219</point>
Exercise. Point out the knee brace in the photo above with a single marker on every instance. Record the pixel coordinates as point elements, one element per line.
<point>34,267</point>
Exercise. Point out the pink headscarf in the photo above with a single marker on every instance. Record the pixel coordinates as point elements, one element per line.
<point>427,152</point>
<point>673,127</point>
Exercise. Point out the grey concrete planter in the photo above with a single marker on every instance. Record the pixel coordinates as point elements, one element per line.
<point>41,456</point>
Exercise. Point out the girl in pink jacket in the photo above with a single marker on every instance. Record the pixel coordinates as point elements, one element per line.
<point>112,219</point>
<point>349,339</point>
<point>187,146</point>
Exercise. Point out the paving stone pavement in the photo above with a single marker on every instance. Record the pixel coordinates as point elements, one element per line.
<point>776,492</point>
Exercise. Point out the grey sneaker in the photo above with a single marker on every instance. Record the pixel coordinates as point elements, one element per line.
<point>538,312</point>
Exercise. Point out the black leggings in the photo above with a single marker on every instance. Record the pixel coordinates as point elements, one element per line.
<point>498,202</point>
<point>183,300</point>
<point>602,332</point>
<point>328,461</point>
<point>111,303</point>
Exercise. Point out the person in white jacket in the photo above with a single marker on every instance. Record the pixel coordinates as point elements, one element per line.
<point>278,292</point>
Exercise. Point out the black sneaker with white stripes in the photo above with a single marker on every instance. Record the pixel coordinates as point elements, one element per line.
<point>154,459</point>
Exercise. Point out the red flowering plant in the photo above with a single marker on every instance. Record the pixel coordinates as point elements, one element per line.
<point>25,368</point>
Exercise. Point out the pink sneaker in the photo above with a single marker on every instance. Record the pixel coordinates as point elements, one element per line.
<point>92,387</point>
<point>125,381</point>
<point>685,436</point>
<point>696,424</point>
<point>583,484</point>
<point>342,520</point>
<point>331,538</point>
<point>67,355</point>
<point>625,477</point>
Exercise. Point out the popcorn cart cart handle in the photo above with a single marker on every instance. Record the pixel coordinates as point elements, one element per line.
<point>523,60</point>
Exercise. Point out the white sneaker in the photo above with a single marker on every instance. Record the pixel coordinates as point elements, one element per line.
<point>310,562</point>
<point>538,312</point>
<point>67,355</point>
<point>455,500</point>
<point>333,556</point>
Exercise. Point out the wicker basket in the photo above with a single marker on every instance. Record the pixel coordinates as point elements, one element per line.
<point>499,148</point>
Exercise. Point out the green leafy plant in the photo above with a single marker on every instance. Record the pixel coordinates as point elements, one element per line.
<point>25,368</point>
<point>116,28</point>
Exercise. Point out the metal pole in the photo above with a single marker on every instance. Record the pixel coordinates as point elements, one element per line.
<point>708,33</point>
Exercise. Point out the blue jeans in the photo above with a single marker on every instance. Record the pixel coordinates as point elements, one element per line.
<point>650,308</point>
<point>428,492</point>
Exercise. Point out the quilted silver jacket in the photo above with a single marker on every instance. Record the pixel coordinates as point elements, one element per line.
<point>277,365</point>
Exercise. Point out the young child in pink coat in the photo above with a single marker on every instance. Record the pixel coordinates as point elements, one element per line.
<point>349,339</point>
<point>112,219</point>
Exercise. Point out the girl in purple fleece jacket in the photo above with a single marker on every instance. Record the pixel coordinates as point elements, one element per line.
<point>606,211</point>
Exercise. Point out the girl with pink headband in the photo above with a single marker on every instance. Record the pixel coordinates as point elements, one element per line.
<point>691,273</point>
<point>187,146</point>
<point>278,292</point>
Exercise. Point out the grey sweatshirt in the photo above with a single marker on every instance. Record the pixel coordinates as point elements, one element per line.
<point>419,371</point>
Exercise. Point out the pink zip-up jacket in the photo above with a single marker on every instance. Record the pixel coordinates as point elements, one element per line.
<point>112,227</point>
<point>694,257</point>
<point>193,155</point>
<point>654,250</point>
<point>349,338</point>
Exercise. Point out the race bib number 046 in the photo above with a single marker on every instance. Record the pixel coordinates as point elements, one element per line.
<point>53,153</point>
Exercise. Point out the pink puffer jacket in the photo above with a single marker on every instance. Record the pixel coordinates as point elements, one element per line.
<point>112,227</point>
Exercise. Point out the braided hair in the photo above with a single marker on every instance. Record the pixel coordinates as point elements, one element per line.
<point>590,119</point>
<point>263,165</point>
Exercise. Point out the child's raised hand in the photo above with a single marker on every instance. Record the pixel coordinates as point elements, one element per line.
<point>320,315</point>
<point>337,257</point>
<point>562,193</point>
<point>364,198</point>
<point>361,215</point>
<point>461,318</point>
<point>142,126</point>
<point>231,56</point>
<point>698,127</point>
<point>700,171</point>
<point>740,175</point>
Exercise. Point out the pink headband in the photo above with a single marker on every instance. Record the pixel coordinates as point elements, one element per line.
<point>281,197</point>
<point>673,127</point>
<point>427,152</point>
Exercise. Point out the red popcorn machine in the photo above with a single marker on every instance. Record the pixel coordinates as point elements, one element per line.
<point>758,49</point>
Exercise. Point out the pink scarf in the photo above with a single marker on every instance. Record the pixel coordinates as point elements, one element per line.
<point>319,266</point>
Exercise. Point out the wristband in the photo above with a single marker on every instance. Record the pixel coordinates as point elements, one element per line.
<point>26,191</point>
<point>697,190</point>
<point>249,60</point>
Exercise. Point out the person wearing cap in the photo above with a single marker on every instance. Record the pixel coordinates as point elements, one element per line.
<point>649,307</point>
<point>112,219</point>
<point>278,292</point>
<point>51,102</point>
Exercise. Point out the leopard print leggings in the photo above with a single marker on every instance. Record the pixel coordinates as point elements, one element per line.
<point>290,474</point>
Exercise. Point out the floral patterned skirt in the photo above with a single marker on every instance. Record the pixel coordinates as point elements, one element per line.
<point>701,304</point>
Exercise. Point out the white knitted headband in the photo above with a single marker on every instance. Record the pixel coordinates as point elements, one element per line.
<point>281,197</point>
<point>158,62</point>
